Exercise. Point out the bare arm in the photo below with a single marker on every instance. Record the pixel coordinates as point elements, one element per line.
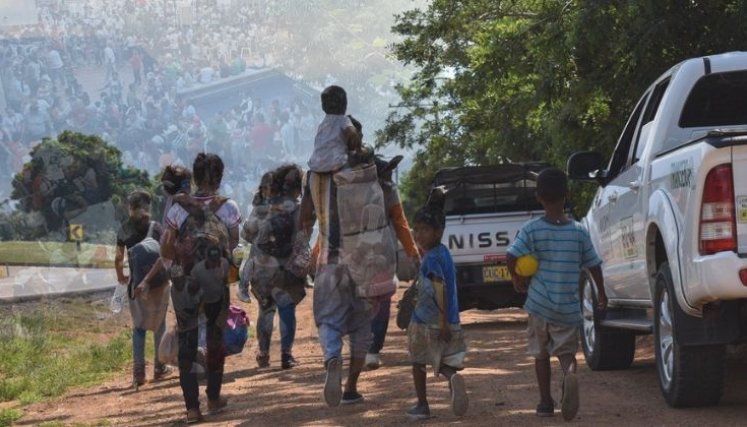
<point>119,265</point>
<point>233,237</point>
<point>353,138</point>
<point>168,249</point>
<point>402,229</point>
<point>307,216</point>
<point>596,274</point>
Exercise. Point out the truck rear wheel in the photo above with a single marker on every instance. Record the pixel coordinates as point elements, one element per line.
<point>688,375</point>
<point>603,349</point>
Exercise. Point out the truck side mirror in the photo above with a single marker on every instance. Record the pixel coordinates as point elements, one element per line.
<point>585,166</point>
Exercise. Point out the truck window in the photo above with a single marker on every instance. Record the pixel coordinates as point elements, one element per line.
<point>718,99</point>
<point>622,150</point>
<point>464,199</point>
<point>648,116</point>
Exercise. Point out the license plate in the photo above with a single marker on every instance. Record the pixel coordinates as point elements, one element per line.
<point>495,273</point>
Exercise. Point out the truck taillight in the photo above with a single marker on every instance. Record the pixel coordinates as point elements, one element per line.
<point>717,217</point>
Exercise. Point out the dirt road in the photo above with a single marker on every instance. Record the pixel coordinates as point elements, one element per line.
<point>499,375</point>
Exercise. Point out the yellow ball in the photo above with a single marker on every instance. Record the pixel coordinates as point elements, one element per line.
<point>526,265</point>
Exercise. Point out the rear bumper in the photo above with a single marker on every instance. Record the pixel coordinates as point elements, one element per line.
<point>715,278</point>
<point>489,296</point>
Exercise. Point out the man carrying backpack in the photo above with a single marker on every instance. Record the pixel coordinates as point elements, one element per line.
<point>201,231</point>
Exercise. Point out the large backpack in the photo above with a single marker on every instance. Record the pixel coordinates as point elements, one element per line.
<point>201,234</point>
<point>368,247</point>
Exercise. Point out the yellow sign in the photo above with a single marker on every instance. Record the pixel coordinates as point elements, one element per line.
<point>4,272</point>
<point>75,232</point>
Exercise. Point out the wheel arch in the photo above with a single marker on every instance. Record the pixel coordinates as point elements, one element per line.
<point>663,236</point>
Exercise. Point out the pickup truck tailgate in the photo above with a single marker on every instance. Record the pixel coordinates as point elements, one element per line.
<point>739,169</point>
<point>471,239</point>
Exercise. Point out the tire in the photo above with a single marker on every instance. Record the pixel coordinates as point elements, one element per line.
<point>688,375</point>
<point>406,305</point>
<point>603,349</point>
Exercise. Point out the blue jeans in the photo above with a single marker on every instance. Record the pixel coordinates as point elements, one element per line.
<point>286,309</point>
<point>380,324</point>
<point>339,312</point>
<point>138,343</point>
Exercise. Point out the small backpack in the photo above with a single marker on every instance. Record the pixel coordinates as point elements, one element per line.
<point>278,242</point>
<point>143,256</point>
<point>202,235</point>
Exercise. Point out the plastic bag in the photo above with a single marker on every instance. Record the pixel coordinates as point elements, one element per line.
<point>168,348</point>
<point>237,330</point>
<point>118,298</point>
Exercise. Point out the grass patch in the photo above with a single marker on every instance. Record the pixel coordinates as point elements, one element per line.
<point>56,253</point>
<point>44,353</point>
<point>8,416</point>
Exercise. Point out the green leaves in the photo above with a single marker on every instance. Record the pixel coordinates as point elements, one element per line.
<point>66,176</point>
<point>538,80</point>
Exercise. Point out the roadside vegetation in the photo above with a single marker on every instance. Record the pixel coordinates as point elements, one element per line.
<point>59,254</point>
<point>45,349</point>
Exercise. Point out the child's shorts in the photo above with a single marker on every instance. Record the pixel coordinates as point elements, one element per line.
<point>546,338</point>
<point>426,349</point>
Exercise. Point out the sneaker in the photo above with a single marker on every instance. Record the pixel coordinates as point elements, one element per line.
<point>459,399</point>
<point>569,403</point>
<point>288,361</point>
<point>333,382</point>
<point>263,360</point>
<point>160,372</point>
<point>545,409</point>
<point>350,397</point>
<point>421,411</point>
<point>373,361</point>
<point>194,416</point>
<point>216,405</point>
<point>243,295</point>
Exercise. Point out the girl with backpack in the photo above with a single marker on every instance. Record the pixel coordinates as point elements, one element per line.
<point>278,286</point>
<point>202,230</point>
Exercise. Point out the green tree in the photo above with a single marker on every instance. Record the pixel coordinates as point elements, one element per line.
<point>518,80</point>
<point>68,175</point>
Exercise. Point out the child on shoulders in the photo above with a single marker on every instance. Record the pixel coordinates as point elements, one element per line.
<point>336,136</point>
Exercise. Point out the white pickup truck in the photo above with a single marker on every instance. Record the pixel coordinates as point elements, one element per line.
<point>670,222</point>
<point>485,207</point>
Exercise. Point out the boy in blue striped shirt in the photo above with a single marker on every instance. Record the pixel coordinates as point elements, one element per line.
<point>562,247</point>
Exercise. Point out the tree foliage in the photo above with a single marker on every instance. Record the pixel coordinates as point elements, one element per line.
<point>518,80</point>
<point>68,175</point>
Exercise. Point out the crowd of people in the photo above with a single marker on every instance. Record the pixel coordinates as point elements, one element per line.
<point>150,56</point>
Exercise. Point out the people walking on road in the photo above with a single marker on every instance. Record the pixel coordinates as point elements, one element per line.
<point>341,305</point>
<point>401,227</point>
<point>272,229</point>
<point>250,229</point>
<point>562,247</point>
<point>435,334</point>
<point>139,236</point>
<point>201,232</point>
